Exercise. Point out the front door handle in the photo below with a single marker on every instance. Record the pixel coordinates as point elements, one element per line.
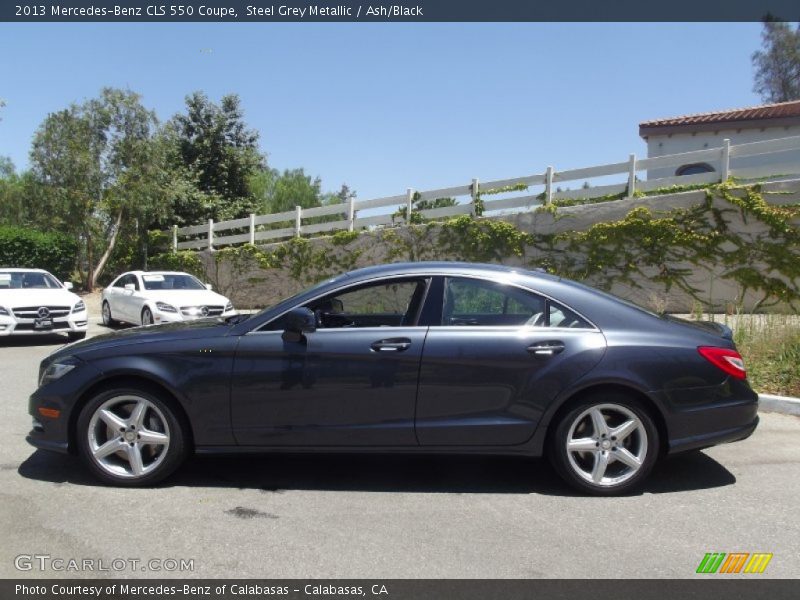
<point>545,349</point>
<point>391,345</point>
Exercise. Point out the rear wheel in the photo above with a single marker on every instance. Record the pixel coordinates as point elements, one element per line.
<point>130,437</point>
<point>605,445</point>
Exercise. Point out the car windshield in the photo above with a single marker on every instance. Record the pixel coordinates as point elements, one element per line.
<point>28,280</point>
<point>171,281</point>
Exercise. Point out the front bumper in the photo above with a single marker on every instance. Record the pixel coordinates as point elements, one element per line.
<point>177,317</point>
<point>72,323</point>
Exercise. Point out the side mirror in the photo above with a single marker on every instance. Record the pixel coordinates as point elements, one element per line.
<point>299,321</point>
<point>130,287</point>
<point>68,285</point>
<point>209,287</point>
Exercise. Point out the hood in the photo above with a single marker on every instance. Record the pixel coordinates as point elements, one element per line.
<point>179,298</point>
<point>210,327</point>
<point>38,297</point>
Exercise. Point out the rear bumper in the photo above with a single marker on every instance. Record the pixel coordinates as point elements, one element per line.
<point>702,417</point>
<point>696,442</point>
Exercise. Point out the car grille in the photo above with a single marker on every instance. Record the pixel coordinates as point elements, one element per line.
<point>196,311</point>
<point>32,312</point>
<point>29,326</point>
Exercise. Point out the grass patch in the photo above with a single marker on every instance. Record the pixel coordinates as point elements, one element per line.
<point>770,346</point>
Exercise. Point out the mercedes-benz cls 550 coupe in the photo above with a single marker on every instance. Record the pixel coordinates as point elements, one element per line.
<point>417,358</point>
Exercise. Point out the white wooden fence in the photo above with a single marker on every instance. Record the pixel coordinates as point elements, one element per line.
<point>384,211</point>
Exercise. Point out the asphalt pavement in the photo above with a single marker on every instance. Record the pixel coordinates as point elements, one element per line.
<point>386,517</point>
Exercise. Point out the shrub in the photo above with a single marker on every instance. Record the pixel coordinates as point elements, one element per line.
<point>25,248</point>
<point>185,260</point>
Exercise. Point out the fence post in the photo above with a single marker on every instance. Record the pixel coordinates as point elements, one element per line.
<point>174,238</point>
<point>351,214</point>
<point>631,175</point>
<point>211,234</point>
<point>474,193</point>
<point>725,166</point>
<point>548,186</point>
<point>252,229</point>
<point>298,217</point>
<point>409,203</point>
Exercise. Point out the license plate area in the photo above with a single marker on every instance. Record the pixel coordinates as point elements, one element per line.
<point>42,324</point>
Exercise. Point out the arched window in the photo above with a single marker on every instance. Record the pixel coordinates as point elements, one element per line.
<point>694,169</point>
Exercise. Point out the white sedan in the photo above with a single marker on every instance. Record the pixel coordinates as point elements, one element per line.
<point>148,297</point>
<point>33,301</point>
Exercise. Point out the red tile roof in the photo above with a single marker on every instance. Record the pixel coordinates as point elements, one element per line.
<point>782,110</point>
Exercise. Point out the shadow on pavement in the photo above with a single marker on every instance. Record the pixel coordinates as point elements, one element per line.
<point>385,473</point>
<point>27,341</point>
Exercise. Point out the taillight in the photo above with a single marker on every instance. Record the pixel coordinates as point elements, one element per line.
<point>726,359</point>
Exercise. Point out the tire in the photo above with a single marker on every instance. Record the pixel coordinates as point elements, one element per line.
<point>74,336</point>
<point>108,321</point>
<point>147,316</point>
<point>131,437</point>
<point>600,462</point>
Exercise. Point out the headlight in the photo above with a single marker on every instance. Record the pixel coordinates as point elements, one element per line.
<point>79,307</point>
<point>229,307</point>
<point>55,371</point>
<point>4,312</point>
<point>164,307</point>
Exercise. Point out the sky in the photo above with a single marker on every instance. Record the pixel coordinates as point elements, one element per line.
<point>388,106</point>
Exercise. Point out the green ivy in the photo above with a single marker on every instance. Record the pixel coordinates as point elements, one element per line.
<point>664,246</point>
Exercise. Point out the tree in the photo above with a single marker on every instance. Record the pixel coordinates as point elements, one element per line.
<point>211,148</point>
<point>777,64</point>
<point>103,168</point>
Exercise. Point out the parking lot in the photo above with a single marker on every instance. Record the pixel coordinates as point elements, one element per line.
<point>391,517</point>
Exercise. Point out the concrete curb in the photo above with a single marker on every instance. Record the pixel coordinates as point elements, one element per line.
<point>779,404</point>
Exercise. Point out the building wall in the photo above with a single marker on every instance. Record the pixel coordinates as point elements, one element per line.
<point>784,163</point>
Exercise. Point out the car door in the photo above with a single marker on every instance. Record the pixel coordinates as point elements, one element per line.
<point>494,360</point>
<point>118,298</point>
<point>352,382</point>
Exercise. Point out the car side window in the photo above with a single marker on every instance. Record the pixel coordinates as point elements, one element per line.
<point>120,283</point>
<point>478,302</point>
<point>561,316</point>
<point>385,304</point>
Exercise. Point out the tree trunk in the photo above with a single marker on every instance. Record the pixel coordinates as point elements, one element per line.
<point>89,262</point>
<point>112,241</point>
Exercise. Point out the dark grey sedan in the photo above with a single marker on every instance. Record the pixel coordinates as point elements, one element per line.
<point>418,357</point>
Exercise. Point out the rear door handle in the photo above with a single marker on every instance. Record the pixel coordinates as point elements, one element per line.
<point>545,349</point>
<point>391,345</point>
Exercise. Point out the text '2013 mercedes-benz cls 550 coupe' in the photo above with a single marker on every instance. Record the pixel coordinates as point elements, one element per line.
<point>415,357</point>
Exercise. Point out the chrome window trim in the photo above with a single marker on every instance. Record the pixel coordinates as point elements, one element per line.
<point>443,274</point>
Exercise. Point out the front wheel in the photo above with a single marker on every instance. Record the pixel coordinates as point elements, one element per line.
<point>147,317</point>
<point>606,445</point>
<point>108,320</point>
<point>130,437</point>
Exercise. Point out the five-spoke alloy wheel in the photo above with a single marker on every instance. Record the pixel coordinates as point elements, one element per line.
<point>605,445</point>
<point>130,437</point>
<point>108,320</point>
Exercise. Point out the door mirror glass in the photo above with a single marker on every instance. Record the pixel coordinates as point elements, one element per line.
<point>299,321</point>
